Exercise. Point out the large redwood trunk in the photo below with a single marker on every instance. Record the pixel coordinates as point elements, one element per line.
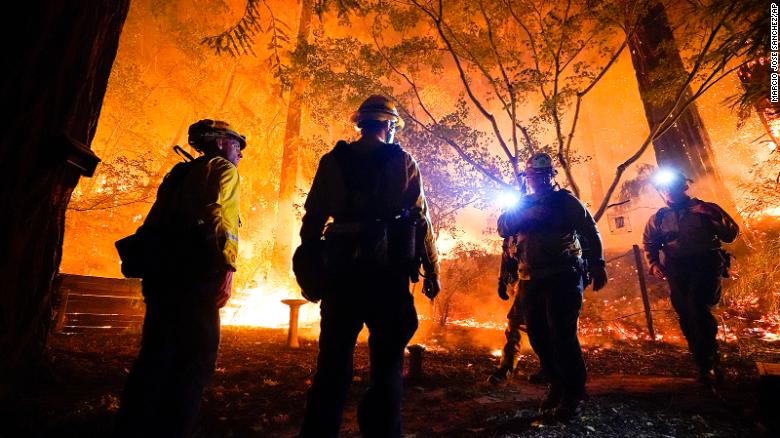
<point>59,56</point>
<point>281,262</point>
<point>686,145</point>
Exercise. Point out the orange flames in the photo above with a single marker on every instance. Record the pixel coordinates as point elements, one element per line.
<point>262,306</point>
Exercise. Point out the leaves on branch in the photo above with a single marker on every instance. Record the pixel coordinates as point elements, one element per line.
<point>240,38</point>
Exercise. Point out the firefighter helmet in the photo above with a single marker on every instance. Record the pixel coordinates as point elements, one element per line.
<point>540,162</point>
<point>204,130</point>
<point>378,108</point>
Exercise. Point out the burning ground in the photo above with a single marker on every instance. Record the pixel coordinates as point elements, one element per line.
<point>637,388</point>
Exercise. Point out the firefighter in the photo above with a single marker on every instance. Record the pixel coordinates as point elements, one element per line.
<point>370,189</point>
<point>689,233</point>
<point>551,227</point>
<point>508,286</point>
<point>193,228</point>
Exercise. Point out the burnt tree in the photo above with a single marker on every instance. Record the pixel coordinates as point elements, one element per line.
<point>62,54</point>
<point>686,144</point>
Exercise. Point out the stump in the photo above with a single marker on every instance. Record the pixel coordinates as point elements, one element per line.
<point>292,331</point>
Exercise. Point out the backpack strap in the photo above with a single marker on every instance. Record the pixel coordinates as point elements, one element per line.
<point>658,219</point>
<point>173,190</point>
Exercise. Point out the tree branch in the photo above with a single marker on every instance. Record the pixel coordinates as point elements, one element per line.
<point>438,23</point>
<point>659,130</point>
<point>582,93</point>
<point>510,88</point>
<point>458,149</point>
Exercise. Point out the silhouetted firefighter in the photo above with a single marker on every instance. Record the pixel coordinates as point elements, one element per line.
<point>689,233</point>
<point>510,286</point>
<point>185,252</point>
<point>373,191</point>
<point>548,225</point>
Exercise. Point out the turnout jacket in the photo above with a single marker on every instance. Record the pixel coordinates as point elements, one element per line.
<point>199,200</point>
<point>549,231</point>
<point>401,189</point>
<point>679,232</point>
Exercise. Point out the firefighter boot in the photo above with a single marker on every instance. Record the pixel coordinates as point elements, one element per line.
<point>538,378</point>
<point>500,375</point>
<point>552,398</point>
<point>567,409</point>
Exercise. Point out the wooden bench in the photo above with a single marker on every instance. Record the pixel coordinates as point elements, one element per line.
<point>97,304</point>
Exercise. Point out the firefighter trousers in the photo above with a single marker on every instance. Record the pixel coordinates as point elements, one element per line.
<point>514,325</point>
<point>386,307</point>
<point>178,353</point>
<point>695,288</point>
<point>552,306</point>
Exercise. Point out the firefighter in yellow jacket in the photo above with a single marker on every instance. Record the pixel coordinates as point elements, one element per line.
<point>192,235</point>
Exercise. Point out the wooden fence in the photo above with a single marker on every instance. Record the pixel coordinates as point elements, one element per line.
<point>97,304</point>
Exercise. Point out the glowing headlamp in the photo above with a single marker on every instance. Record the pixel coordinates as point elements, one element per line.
<point>665,178</point>
<point>508,199</point>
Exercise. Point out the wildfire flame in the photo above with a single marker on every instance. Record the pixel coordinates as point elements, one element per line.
<point>262,306</point>
<point>773,211</point>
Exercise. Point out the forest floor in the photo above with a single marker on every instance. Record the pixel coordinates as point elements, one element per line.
<point>637,389</point>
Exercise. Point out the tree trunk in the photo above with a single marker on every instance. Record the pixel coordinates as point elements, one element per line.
<point>285,215</point>
<point>686,145</point>
<point>590,149</point>
<point>62,54</point>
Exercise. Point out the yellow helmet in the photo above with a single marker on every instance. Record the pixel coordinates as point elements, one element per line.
<point>378,108</point>
<point>206,129</point>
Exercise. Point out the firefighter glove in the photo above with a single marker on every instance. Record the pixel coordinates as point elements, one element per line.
<point>502,291</point>
<point>599,275</point>
<point>431,286</point>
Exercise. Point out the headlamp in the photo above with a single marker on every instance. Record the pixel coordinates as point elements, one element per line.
<point>665,178</point>
<point>507,199</point>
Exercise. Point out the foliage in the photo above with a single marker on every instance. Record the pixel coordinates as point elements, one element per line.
<point>760,190</point>
<point>512,73</point>
<point>450,184</point>
<point>163,80</point>
<point>506,54</point>
<point>633,187</point>
<point>756,292</point>
<point>745,37</point>
<point>240,38</point>
<point>466,280</point>
<point>700,31</point>
<point>123,181</point>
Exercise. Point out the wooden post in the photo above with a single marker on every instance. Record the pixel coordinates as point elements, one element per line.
<point>640,270</point>
<point>61,308</point>
<point>415,371</point>
<point>292,331</point>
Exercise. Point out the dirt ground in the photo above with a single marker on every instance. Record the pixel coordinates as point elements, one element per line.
<point>637,389</point>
